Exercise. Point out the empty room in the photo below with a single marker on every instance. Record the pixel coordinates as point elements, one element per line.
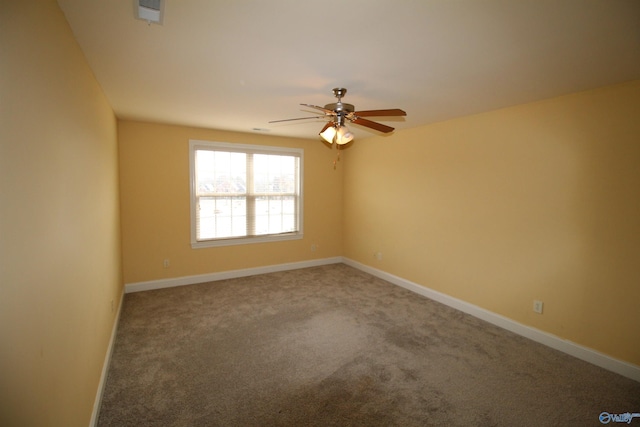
<point>291,213</point>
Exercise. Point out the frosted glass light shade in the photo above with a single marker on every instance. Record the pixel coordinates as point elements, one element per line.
<point>329,134</point>
<point>343,135</point>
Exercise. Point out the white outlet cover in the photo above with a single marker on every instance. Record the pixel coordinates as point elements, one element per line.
<point>537,306</point>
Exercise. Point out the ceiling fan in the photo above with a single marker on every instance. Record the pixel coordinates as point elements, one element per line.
<point>338,113</point>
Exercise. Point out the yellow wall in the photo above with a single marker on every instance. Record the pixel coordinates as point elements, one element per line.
<point>59,222</point>
<point>154,180</point>
<point>539,201</point>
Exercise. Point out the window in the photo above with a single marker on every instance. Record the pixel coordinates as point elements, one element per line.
<point>244,193</point>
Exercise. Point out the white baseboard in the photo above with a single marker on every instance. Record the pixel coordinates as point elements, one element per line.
<point>105,367</point>
<point>584,353</point>
<point>223,275</point>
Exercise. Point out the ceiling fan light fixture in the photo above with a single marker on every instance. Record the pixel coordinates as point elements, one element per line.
<point>329,134</point>
<point>343,135</point>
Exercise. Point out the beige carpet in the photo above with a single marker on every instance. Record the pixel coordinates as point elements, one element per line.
<point>333,346</point>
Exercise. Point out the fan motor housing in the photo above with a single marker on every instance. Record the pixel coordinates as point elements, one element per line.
<point>340,106</point>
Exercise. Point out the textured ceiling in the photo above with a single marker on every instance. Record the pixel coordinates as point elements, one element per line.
<point>237,64</point>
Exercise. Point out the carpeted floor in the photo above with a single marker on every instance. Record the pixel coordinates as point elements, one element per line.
<point>333,346</point>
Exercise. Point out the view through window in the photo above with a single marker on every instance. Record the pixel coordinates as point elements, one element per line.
<point>244,193</point>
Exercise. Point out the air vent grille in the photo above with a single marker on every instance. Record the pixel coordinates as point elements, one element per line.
<point>150,10</point>
<point>151,4</point>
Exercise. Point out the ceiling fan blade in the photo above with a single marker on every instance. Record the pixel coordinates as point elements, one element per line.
<point>324,110</point>
<point>373,125</point>
<point>390,112</point>
<point>299,118</point>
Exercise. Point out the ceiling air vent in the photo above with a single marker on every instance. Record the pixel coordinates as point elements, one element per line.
<point>149,10</point>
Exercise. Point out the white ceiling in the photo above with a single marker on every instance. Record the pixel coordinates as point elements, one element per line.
<point>237,64</point>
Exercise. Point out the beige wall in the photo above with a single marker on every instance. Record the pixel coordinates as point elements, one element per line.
<point>538,201</point>
<point>154,177</point>
<point>59,222</point>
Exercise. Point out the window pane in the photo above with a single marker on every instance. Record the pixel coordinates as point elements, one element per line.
<point>288,206</point>
<point>275,214</point>
<point>288,222</point>
<point>221,172</point>
<point>262,216</point>
<point>222,217</point>
<point>275,174</point>
<point>207,222</point>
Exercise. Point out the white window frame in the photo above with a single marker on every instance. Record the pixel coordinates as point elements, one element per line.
<point>195,145</point>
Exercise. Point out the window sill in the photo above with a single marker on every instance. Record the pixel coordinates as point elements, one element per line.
<point>245,240</point>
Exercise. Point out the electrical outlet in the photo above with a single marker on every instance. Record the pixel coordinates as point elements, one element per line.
<point>537,306</point>
<point>166,263</point>
<point>378,256</point>
<point>314,247</point>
